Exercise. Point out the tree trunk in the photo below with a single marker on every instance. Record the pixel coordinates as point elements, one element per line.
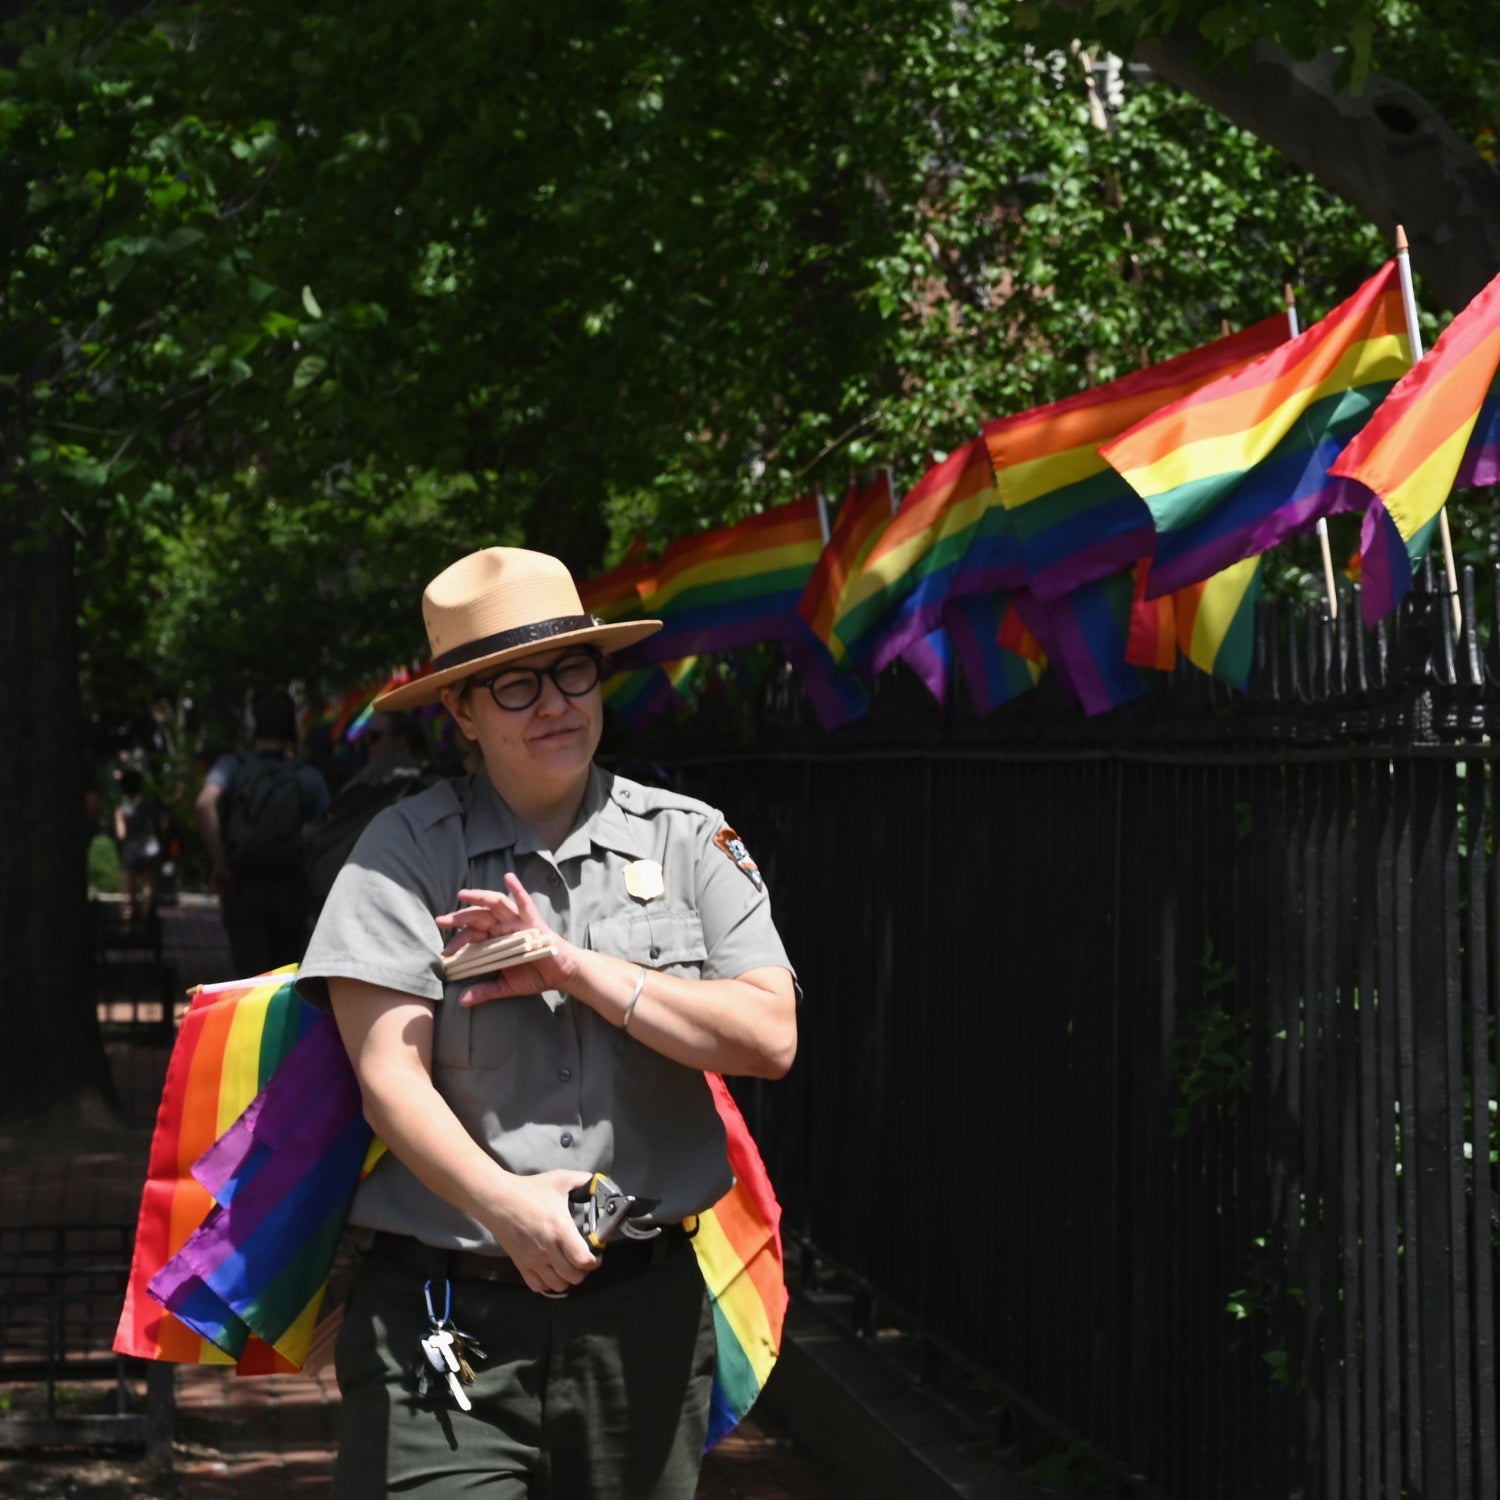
<point>53,1051</point>
<point>1386,151</point>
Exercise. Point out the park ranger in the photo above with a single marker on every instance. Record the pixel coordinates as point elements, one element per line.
<point>485,1343</point>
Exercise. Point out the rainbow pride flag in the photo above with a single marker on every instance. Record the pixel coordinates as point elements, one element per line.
<point>1015,637</point>
<point>616,595</point>
<point>1211,623</point>
<point>640,696</point>
<point>328,733</point>
<point>732,587</point>
<point>360,722</point>
<point>1152,639</point>
<point>1073,517</point>
<point>893,603</point>
<point>260,1142</point>
<point>646,693</point>
<point>972,549</point>
<point>1216,626</point>
<point>811,644</point>
<point>1437,430</point>
<point>643,693</point>
<point>1230,470</point>
<point>931,657</point>
<point>738,1245</point>
<point>1084,634</point>
<point>231,1040</point>
<point>348,709</point>
<point>993,673</point>
<point>1388,560</point>
<point>282,1178</point>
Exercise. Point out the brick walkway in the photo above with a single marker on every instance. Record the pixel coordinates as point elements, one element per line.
<point>274,1437</point>
<point>254,1439</point>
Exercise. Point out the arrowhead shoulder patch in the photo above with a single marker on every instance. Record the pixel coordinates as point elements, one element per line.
<point>734,846</point>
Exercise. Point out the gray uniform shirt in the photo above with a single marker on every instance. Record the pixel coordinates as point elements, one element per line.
<point>541,1081</point>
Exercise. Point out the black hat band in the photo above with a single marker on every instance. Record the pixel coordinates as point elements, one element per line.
<point>505,640</point>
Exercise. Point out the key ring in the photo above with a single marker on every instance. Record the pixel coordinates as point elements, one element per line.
<point>447,1302</point>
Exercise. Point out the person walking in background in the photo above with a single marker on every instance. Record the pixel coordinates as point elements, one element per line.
<point>393,741</point>
<point>251,811</point>
<point>396,766</point>
<point>499,1096</point>
<point>140,846</point>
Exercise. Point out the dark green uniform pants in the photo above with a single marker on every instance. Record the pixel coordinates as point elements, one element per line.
<point>597,1396</point>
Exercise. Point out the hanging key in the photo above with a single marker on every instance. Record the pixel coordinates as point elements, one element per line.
<point>438,1347</point>
<point>442,1342</point>
<point>438,1350</point>
<point>466,1348</point>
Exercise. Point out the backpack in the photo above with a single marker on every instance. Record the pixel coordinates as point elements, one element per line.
<point>263,822</point>
<point>327,844</point>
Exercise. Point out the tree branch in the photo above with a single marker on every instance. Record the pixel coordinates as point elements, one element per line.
<point>1386,151</point>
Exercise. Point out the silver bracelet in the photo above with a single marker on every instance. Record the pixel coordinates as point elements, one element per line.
<point>635,995</point>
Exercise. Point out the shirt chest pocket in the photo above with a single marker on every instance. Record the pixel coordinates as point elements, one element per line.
<point>668,941</point>
<point>491,1036</point>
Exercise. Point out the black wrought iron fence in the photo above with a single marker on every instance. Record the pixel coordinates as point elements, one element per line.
<point>1148,1062</point>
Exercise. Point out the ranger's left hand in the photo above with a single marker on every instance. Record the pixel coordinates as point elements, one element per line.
<point>483,915</point>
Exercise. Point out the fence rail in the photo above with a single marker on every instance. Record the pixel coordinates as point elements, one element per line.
<point>1149,1062</point>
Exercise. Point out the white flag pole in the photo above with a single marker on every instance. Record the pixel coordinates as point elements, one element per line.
<point>823,518</point>
<point>1414,333</point>
<point>890,485</point>
<point>1293,328</point>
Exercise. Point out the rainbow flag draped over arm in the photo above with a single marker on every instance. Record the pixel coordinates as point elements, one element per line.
<point>732,587</point>
<point>282,1178</point>
<point>232,1039</point>
<point>260,1143</point>
<point>811,643</point>
<point>1230,470</point>
<point>1439,429</point>
<point>1074,518</point>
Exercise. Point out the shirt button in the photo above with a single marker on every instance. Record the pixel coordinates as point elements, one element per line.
<point>565,1074</point>
<point>567,1137</point>
<point>655,951</point>
<point>553,878</point>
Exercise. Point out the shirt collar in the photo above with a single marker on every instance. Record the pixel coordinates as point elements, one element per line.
<point>605,821</point>
<point>489,823</point>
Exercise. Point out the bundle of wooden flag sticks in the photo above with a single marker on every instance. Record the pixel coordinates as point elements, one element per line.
<point>495,954</point>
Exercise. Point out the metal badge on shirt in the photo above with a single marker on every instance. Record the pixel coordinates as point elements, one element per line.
<point>734,846</point>
<point>644,880</point>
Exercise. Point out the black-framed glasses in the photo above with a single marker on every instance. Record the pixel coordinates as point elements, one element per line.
<point>517,688</point>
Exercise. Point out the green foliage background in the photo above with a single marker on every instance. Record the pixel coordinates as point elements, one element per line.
<point>302,301</point>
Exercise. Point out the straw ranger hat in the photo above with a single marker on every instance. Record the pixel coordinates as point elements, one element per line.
<point>493,606</point>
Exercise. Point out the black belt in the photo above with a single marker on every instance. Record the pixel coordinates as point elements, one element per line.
<point>620,1262</point>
